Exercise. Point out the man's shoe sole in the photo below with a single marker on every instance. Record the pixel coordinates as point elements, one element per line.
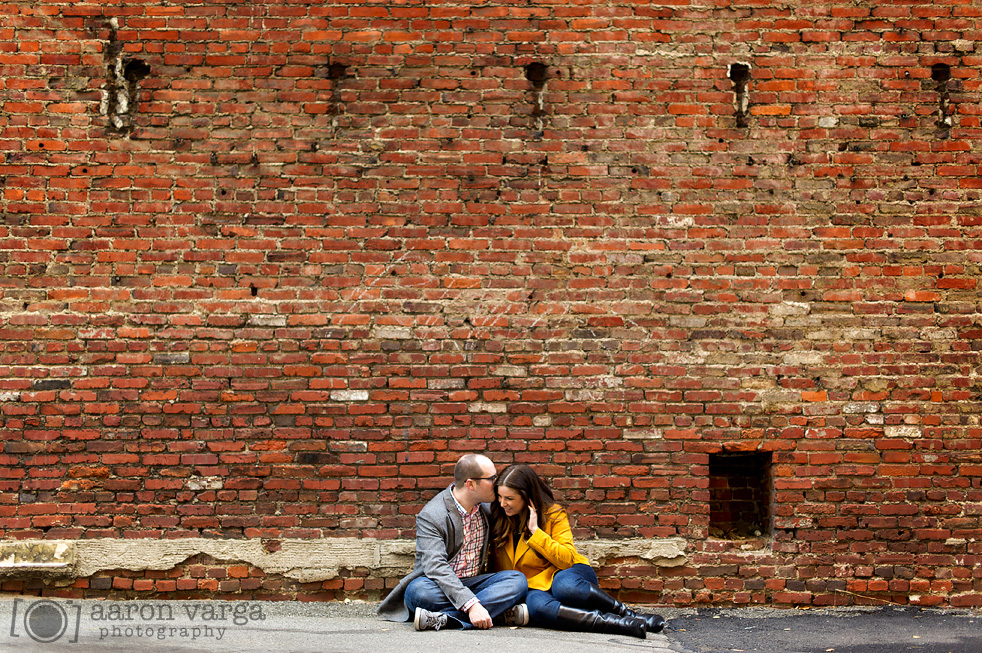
<point>523,615</point>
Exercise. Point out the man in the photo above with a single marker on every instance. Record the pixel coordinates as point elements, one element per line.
<point>445,587</point>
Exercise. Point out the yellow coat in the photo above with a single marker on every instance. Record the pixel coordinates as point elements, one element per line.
<point>549,550</point>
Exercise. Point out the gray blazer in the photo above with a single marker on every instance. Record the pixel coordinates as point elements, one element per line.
<point>439,537</point>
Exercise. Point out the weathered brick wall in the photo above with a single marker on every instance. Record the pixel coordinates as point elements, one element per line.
<point>268,268</point>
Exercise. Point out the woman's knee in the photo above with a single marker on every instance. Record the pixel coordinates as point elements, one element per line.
<point>571,587</point>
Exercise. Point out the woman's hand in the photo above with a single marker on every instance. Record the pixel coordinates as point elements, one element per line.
<point>533,519</point>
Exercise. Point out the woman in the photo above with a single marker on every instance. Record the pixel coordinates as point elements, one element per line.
<point>531,534</point>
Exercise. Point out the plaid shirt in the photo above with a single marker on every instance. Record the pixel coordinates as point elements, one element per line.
<point>467,562</point>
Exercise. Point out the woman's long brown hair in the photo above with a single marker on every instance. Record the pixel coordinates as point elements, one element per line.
<point>532,489</point>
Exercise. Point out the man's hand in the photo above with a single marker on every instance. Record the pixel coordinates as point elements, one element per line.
<point>479,616</point>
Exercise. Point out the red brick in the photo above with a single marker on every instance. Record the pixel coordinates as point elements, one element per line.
<point>279,301</point>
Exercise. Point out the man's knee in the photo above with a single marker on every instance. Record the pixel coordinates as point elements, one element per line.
<point>515,581</point>
<point>423,592</point>
<point>421,584</point>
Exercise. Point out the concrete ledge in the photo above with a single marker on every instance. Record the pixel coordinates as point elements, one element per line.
<point>305,561</point>
<point>302,560</point>
<point>54,559</point>
<point>669,552</point>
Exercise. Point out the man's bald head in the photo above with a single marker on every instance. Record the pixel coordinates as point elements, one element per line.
<point>470,465</point>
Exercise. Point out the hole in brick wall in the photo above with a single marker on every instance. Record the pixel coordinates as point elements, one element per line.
<point>739,495</point>
<point>337,71</point>
<point>536,72</point>
<point>122,86</point>
<point>739,74</point>
<point>941,73</point>
<point>135,69</point>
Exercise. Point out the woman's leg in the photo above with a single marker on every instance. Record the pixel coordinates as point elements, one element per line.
<point>543,608</point>
<point>578,588</point>
<point>546,611</point>
<point>572,586</point>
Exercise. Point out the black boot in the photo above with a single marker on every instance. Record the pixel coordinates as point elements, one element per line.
<point>599,600</point>
<point>582,621</point>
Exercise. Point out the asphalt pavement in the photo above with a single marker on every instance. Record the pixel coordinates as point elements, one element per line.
<point>890,629</point>
<point>32,624</point>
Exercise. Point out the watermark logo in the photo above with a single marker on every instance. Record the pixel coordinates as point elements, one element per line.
<point>46,621</point>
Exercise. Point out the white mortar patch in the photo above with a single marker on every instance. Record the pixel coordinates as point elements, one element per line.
<point>392,333</point>
<point>267,320</point>
<point>643,434</point>
<point>204,483</point>
<point>349,395</point>
<point>478,407</point>
<point>902,431</point>
<point>509,370</point>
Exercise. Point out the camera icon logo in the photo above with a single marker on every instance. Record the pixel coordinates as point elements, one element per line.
<point>46,621</point>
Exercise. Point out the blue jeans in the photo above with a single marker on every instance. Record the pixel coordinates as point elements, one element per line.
<point>497,592</point>
<point>570,587</point>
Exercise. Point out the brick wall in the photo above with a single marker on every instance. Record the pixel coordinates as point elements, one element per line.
<point>268,268</point>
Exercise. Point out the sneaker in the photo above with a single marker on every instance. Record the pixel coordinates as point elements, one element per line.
<point>516,616</point>
<point>426,620</point>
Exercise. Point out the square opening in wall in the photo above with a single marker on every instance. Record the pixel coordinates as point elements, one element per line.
<point>740,495</point>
